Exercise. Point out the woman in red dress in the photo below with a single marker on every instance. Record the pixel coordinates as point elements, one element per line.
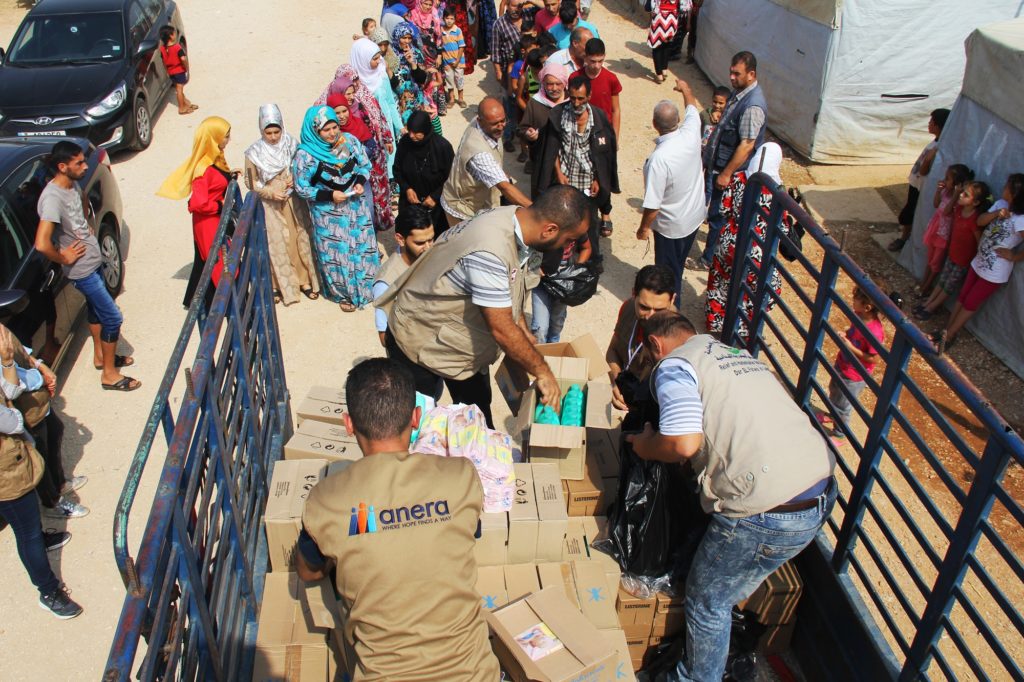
<point>204,179</point>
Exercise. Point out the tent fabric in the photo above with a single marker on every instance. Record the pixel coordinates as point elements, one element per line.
<point>989,142</point>
<point>856,90</point>
<point>994,68</point>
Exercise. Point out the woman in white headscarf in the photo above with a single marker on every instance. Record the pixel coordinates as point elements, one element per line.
<point>368,62</point>
<point>268,173</point>
<point>766,159</point>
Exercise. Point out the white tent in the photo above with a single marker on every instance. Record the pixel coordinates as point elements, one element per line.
<point>986,132</point>
<point>849,81</point>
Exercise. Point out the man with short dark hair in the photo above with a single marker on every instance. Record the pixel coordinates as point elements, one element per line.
<point>765,475</point>
<point>462,303</point>
<point>578,148</point>
<point>414,233</point>
<point>65,236</point>
<point>379,522</point>
<point>504,53</point>
<point>568,21</point>
<point>739,132</point>
<point>477,180</point>
<point>629,363</point>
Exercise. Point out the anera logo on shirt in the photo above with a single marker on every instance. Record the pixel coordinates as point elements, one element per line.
<point>366,519</point>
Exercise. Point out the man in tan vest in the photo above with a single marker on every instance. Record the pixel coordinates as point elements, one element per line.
<point>629,362</point>
<point>477,180</point>
<point>461,303</point>
<point>399,530</point>
<point>764,471</point>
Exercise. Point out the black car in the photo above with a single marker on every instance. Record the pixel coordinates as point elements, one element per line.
<point>33,290</point>
<point>87,68</point>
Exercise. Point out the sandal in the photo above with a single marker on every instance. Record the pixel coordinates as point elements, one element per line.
<point>310,294</point>
<point>277,296</point>
<point>607,228</point>
<point>347,307</point>
<point>120,361</point>
<point>125,384</point>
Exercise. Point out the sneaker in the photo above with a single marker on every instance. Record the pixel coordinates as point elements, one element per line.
<point>510,146</point>
<point>73,484</point>
<point>823,419</point>
<point>838,440</point>
<point>897,244</point>
<point>59,603</point>
<point>55,539</point>
<point>66,509</point>
<point>701,265</point>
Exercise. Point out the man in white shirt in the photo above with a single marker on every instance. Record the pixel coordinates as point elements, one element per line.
<point>674,179</point>
<point>572,57</point>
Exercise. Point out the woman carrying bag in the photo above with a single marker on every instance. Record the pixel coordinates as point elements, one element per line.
<point>21,468</point>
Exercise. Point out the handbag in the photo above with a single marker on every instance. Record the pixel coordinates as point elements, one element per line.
<point>21,467</point>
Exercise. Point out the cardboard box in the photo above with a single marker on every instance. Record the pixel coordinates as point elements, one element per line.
<point>637,631</point>
<point>304,446</point>
<point>637,647</point>
<point>591,495</point>
<point>575,545</point>
<point>319,600</point>
<point>290,484</point>
<point>597,601</point>
<point>521,580</point>
<point>603,452</point>
<point>491,546</point>
<point>314,427</point>
<point>490,585</point>
<point>777,639</point>
<point>559,574</point>
<point>289,648</point>
<point>320,410</point>
<point>616,639</point>
<point>634,610</point>
<point>513,381</point>
<point>578,651</point>
<point>566,445</point>
<point>328,394</point>
<point>668,624</point>
<point>774,602</point>
<point>552,519</point>
<point>522,518</point>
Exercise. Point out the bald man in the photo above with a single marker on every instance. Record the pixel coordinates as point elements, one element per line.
<point>477,180</point>
<point>674,180</point>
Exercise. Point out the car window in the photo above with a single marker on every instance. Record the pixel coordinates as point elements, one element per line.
<point>138,23</point>
<point>67,38</point>
<point>21,192</point>
<point>152,10</point>
<point>12,244</point>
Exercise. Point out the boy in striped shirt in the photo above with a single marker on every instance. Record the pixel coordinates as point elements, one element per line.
<point>453,60</point>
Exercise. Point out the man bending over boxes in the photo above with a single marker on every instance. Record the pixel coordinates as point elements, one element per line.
<point>398,530</point>
<point>765,472</point>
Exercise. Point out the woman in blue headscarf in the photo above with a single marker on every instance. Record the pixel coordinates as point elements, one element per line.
<point>331,172</point>
<point>410,55</point>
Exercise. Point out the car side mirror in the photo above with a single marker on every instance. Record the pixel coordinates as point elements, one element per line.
<point>3,54</point>
<point>145,46</point>
<point>12,302</point>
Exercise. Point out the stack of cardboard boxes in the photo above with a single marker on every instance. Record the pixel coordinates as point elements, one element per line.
<point>774,605</point>
<point>320,428</point>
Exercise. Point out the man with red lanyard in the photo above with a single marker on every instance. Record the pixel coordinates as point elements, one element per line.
<point>629,362</point>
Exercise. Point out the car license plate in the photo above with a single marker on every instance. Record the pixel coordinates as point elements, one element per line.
<point>43,133</point>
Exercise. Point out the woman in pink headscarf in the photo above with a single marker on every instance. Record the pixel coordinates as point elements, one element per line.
<point>364,105</point>
<point>554,79</point>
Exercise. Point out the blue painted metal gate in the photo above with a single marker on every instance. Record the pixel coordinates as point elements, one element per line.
<point>194,589</point>
<point>918,573</point>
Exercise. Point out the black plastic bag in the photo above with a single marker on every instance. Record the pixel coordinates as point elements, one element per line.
<point>572,286</point>
<point>741,665</point>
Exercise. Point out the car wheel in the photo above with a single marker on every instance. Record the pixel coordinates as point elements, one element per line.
<point>142,125</point>
<point>113,265</point>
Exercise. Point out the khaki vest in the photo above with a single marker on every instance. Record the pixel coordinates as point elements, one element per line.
<point>463,193</point>
<point>625,329</point>
<point>392,269</point>
<point>760,449</point>
<point>439,327</point>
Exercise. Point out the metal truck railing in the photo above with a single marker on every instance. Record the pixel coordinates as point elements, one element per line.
<point>193,591</point>
<point>915,574</point>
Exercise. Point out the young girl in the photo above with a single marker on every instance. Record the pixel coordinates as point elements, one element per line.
<point>855,345</point>
<point>936,236</point>
<point>963,244</point>
<point>1003,227</point>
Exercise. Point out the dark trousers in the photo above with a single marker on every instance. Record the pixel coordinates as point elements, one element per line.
<point>661,54</point>
<point>49,435</point>
<point>715,218</point>
<point>23,516</point>
<point>672,254</point>
<point>676,46</point>
<point>694,18</point>
<point>475,390</point>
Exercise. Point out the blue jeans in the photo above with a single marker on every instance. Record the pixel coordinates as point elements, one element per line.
<point>23,515</point>
<point>672,254</point>
<point>548,316</point>
<point>716,220</point>
<point>101,307</point>
<point>733,559</point>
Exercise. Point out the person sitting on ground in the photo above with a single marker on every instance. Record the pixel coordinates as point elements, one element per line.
<point>629,363</point>
<point>922,167</point>
<point>404,623</point>
<point>414,233</point>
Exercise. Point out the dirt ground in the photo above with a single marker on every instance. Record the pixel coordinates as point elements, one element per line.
<point>286,53</point>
